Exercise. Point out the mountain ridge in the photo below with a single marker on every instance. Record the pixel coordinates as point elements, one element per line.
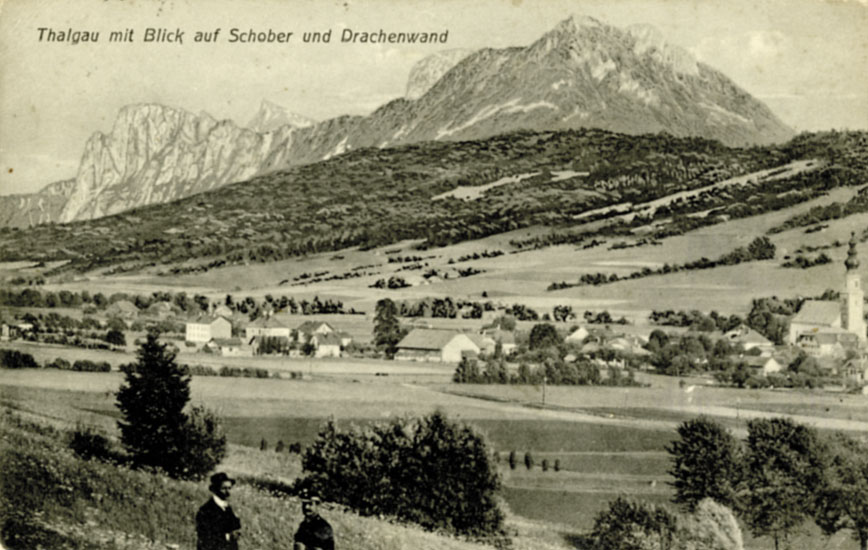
<point>581,74</point>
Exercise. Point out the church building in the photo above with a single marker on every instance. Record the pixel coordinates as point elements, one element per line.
<point>827,326</point>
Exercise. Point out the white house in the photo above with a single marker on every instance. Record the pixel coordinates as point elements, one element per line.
<point>447,346</point>
<point>308,329</point>
<point>266,326</point>
<point>229,347</point>
<point>204,328</point>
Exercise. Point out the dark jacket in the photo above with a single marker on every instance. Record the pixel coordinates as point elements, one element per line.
<point>213,527</point>
<point>315,533</point>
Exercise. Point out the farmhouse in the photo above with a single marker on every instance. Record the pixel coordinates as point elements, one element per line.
<point>764,365</point>
<point>832,316</point>
<point>447,346</point>
<point>204,328</point>
<point>229,347</point>
<point>308,329</point>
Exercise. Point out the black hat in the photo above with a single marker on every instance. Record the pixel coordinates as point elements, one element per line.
<point>218,479</point>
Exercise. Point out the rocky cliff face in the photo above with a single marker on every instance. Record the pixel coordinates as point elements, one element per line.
<point>158,154</point>
<point>583,73</point>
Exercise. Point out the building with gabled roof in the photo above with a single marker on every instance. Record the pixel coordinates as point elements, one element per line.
<point>308,329</point>
<point>749,339</point>
<point>267,326</point>
<point>204,328</point>
<point>447,346</point>
<point>229,347</point>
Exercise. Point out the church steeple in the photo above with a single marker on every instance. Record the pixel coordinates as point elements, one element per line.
<point>852,262</point>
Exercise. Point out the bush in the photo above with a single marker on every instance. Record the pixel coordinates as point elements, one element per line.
<point>88,444</point>
<point>12,359</point>
<point>528,461</point>
<point>428,471</point>
<point>512,460</point>
<point>84,365</point>
<point>629,525</point>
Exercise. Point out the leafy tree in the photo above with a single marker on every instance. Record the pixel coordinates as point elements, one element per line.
<point>843,498</point>
<point>706,463</point>
<point>429,471</point>
<point>116,338</point>
<point>543,335</point>
<point>512,460</point>
<point>528,460</point>
<point>387,328</point>
<point>563,313</point>
<point>785,463</point>
<point>155,430</point>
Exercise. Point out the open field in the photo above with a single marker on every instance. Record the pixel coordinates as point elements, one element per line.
<point>609,441</point>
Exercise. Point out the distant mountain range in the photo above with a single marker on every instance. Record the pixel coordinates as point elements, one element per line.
<point>583,73</point>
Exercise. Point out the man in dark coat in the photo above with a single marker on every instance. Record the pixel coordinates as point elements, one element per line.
<point>314,533</point>
<point>217,526</point>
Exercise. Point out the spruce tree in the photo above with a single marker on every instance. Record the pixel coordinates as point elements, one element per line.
<point>387,328</point>
<point>155,429</point>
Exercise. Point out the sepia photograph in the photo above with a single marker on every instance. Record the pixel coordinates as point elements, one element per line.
<point>433,275</point>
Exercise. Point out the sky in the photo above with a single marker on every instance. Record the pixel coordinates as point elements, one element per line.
<point>806,59</point>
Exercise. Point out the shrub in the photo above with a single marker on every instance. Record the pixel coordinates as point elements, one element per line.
<point>629,525</point>
<point>512,460</point>
<point>545,465</point>
<point>12,359</point>
<point>279,447</point>
<point>711,527</point>
<point>557,466</point>
<point>88,444</point>
<point>429,471</point>
<point>59,363</point>
<point>263,445</point>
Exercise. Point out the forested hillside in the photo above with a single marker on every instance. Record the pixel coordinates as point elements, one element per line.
<point>374,197</point>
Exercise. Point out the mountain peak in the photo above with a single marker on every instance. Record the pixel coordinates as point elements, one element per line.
<point>272,116</point>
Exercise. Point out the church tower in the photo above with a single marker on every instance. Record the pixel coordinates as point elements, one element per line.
<point>853,296</point>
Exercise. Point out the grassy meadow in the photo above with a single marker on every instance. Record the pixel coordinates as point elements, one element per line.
<point>608,441</point>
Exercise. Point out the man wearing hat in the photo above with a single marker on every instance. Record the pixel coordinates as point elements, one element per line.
<point>314,533</point>
<point>217,526</point>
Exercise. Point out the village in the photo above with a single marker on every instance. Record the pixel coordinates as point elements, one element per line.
<point>824,344</point>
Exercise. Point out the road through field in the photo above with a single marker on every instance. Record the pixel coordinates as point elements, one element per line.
<point>536,411</point>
